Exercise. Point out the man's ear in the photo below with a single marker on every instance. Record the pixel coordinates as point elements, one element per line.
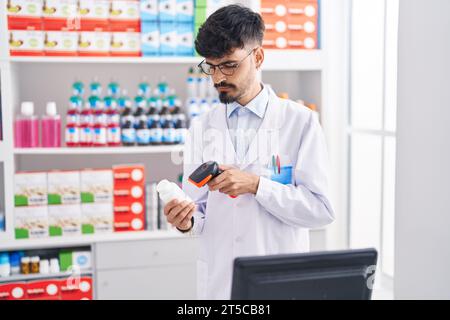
<point>259,57</point>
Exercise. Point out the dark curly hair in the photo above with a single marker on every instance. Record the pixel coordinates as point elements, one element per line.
<point>228,28</point>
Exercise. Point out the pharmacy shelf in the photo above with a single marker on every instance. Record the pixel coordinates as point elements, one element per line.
<point>59,242</point>
<point>295,60</point>
<point>96,151</point>
<point>106,60</point>
<point>32,277</point>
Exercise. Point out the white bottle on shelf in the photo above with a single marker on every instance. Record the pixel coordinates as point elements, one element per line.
<point>169,190</point>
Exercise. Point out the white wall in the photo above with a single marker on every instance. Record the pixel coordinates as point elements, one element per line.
<point>423,154</point>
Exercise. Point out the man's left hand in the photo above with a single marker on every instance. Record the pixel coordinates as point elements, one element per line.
<point>234,182</point>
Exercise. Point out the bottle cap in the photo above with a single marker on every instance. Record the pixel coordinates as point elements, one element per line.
<point>35,259</point>
<point>51,109</point>
<point>27,108</point>
<point>25,260</point>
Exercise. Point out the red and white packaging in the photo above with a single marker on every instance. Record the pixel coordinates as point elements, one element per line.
<point>76,288</point>
<point>20,12</point>
<point>43,290</point>
<point>59,14</point>
<point>26,42</point>
<point>94,43</point>
<point>126,43</point>
<point>124,14</point>
<point>60,43</point>
<point>93,14</point>
<point>13,291</point>
<point>129,200</point>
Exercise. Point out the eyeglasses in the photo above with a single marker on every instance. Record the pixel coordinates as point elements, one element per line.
<point>227,68</point>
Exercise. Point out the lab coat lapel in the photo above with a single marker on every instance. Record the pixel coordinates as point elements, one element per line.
<point>266,140</point>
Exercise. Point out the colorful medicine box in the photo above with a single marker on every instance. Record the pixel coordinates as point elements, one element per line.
<point>96,186</point>
<point>149,10</point>
<point>30,189</point>
<point>150,38</point>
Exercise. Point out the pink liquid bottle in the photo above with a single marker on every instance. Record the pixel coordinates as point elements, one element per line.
<point>113,137</point>
<point>51,127</point>
<point>26,127</point>
<point>86,126</point>
<point>100,126</point>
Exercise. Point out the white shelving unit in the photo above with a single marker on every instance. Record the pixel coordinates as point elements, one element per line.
<point>32,277</point>
<point>304,74</point>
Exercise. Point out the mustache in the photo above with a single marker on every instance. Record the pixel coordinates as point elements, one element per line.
<point>224,85</point>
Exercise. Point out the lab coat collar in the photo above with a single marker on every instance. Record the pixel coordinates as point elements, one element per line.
<point>257,105</point>
<point>273,120</point>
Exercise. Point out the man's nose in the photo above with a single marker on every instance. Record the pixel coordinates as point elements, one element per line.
<point>218,77</point>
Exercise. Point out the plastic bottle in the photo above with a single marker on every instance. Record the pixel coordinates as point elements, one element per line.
<point>204,106</point>
<point>113,89</point>
<point>163,87</point>
<point>180,128</point>
<point>99,128</point>
<point>35,264</point>
<point>86,126</point>
<point>25,265</point>
<point>54,266</point>
<point>14,260</point>
<point>193,109</point>
<point>78,88</point>
<point>191,84</point>
<point>44,266</point>
<point>124,101</point>
<point>144,89</point>
<point>113,126</point>
<point>156,133</point>
<point>169,191</point>
<point>141,106</point>
<point>142,132</point>
<point>128,131</point>
<point>168,131</point>
<point>51,127</point>
<point>26,127</point>
<point>5,267</point>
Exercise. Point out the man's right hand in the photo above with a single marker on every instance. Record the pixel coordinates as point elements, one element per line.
<point>179,214</point>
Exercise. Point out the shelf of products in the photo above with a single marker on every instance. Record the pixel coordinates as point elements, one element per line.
<point>94,151</point>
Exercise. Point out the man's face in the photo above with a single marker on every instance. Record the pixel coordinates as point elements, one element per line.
<point>232,87</point>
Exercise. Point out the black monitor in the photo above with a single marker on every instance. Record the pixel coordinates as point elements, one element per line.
<point>334,275</point>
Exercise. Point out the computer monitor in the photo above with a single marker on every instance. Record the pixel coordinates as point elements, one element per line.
<point>334,275</point>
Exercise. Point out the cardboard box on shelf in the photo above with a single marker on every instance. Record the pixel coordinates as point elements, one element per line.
<point>124,14</point>
<point>126,44</point>
<point>94,43</point>
<point>130,208</point>
<point>13,291</point>
<point>63,187</point>
<point>127,222</point>
<point>31,222</point>
<point>29,42</point>
<point>82,260</point>
<point>150,38</point>
<point>96,185</point>
<point>185,11</point>
<point>185,39</point>
<point>168,38</point>
<point>61,43</point>
<point>129,194</point>
<point>97,218</point>
<point>76,289</point>
<point>64,220</point>
<point>59,14</point>
<point>24,11</point>
<point>149,10</point>
<point>43,290</point>
<point>93,14</point>
<point>167,10</point>
<point>30,189</point>
<point>124,175</point>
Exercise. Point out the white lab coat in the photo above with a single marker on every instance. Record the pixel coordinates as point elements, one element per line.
<point>275,220</point>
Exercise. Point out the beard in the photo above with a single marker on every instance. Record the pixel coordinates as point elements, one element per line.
<point>226,97</point>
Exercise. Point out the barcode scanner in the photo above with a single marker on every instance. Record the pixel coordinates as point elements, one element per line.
<point>205,173</point>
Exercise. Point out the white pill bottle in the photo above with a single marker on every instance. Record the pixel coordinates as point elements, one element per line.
<point>169,190</point>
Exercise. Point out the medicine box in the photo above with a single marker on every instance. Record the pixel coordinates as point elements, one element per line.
<point>185,39</point>
<point>125,44</point>
<point>185,11</point>
<point>82,260</point>
<point>168,38</point>
<point>97,218</point>
<point>93,14</point>
<point>30,189</point>
<point>24,11</point>
<point>13,291</point>
<point>124,14</point>
<point>94,43</point>
<point>150,38</point>
<point>61,43</point>
<point>96,186</point>
<point>43,290</point>
<point>149,10</point>
<point>63,187</point>
<point>59,14</point>
<point>76,289</point>
<point>28,42</point>
<point>64,220</point>
<point>31,222</point>
<point>167,10</point>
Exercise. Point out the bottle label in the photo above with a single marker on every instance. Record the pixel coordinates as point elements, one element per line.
<point>72,135</point>
<point>113,119</point>
<point>129,135</point>
<point>86,135</point>
<point>86,119</point>
<point>72,119</point>
<point>156,135</point>
<point>143,136</point>
<point>181,135</point>
<point>169,135</point>
<point>100,135</point>
<point>113,135</point>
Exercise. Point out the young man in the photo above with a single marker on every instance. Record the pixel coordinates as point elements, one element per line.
<point>275,181</point>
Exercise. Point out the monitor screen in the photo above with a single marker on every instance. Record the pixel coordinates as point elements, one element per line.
<point>331,275</point>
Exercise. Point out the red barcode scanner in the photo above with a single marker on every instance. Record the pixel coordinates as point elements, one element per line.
<point>205,173</point>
